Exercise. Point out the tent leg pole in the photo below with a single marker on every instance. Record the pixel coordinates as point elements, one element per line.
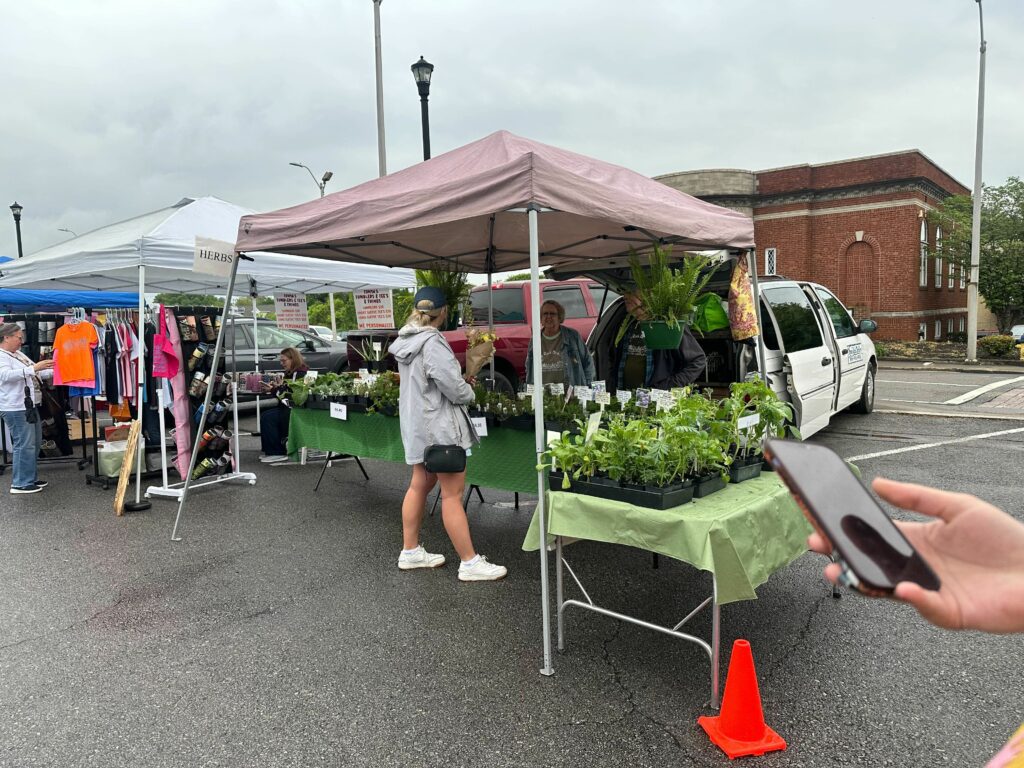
<point>140,449</point>
<point>334,321</point>
<point>752,268</point>
<point>207,399</point>
<point>256,344</point>
<point>540,434</point>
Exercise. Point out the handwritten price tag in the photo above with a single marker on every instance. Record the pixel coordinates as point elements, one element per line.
<point>584,393</point>
<point>600,386</point>
<point>557,389</point>
<point>377,346</point>
<point>623,396</point>
<point>339,411</point>
<point>603,398</point>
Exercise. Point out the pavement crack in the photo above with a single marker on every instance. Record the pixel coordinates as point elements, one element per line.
<point>69,627</point>
<point>630,694</point>
<point>800,636</point>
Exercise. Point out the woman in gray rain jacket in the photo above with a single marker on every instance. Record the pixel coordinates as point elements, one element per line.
<point>432,403</point>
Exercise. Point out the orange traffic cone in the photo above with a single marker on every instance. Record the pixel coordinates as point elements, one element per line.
<point>740,728</point>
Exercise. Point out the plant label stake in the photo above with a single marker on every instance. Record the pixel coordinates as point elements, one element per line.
<point>593,423</point>
<point>557,389</point>
<point>623,396</point>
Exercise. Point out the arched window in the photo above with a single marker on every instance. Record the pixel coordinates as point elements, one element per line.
<point>923,268</point>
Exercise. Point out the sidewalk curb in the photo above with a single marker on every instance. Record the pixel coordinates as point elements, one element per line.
<point>895,364</point>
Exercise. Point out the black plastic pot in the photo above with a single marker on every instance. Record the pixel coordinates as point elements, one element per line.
<point>706,485</point>
<point>744,471</point>
<point>376,366</point>
<point>639,496</point>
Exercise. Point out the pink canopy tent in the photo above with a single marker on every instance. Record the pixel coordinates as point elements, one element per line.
<point>468,204</point>
<point>500,203</point>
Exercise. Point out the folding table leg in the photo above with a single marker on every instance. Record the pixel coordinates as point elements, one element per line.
<point>327,463</point>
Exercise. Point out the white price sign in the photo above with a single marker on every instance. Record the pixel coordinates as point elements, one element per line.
<point>592,425</point>
<point>746,422</point>
<point>623,396</point>
<point>603,398</point>
<point>480,425</point>
<point>339,411</point>
<point>584,393</point>
<point>557,389</point>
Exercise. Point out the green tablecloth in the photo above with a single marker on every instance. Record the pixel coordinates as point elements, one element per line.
<point>742,534</point>
<point>505,459</point>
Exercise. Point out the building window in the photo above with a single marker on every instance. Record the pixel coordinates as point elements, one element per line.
<point>922,331</point>
<point>771,258</point>
<point>961,324</point>
<point>938,330</point>
<point>923,279</point>
<point>938,271</point>
<point>949,326</point>
<point>963,277</point>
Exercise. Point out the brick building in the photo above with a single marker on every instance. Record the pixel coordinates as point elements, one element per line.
<point>858,227</point>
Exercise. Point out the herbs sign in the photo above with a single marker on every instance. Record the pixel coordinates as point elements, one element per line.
<point>213,257</point>
<point>374,308</point>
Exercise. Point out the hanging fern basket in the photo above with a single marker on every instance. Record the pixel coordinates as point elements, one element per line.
<point>661,335</point>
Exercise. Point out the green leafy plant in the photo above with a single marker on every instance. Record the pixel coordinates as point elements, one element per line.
<point>371,353</point>
<point>383,393</point>
<point>298,392</point>
<point>998,346</point>
<point>453,282</point>
<point>668,295</point>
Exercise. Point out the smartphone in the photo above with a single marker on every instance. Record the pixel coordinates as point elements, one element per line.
<point>872,552</point>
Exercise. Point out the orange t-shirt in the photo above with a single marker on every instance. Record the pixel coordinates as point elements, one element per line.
<point>72,354</point>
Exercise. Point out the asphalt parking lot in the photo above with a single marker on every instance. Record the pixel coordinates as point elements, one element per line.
<point>280,633</point>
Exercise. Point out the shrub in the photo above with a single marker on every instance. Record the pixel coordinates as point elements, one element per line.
<point>881,350</point>
<point>998,346</point>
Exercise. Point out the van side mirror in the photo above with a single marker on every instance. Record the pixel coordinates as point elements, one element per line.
<point>867,326</point>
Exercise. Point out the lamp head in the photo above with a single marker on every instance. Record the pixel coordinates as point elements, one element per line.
<point>421,71</point>
<point>16,210</point>
<point>328,175</point>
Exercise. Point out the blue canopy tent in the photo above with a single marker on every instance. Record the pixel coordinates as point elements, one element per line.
<point>18,300</point>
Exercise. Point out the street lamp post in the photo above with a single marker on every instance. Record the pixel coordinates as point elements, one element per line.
<point>972,285</point>
<point>382,161</point>
<point>16,210</point>
<point>320,184</point>
<point>65,229</point>
<point>421,71</point>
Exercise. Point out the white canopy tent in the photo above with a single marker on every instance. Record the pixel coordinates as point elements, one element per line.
<point>154,252</point>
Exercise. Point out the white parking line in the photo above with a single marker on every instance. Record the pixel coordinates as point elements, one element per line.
<point>967,439</point>
<point>968,396</point>
<point>918,383</point>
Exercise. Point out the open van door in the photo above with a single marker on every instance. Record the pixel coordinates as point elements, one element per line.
<point>808,362</point>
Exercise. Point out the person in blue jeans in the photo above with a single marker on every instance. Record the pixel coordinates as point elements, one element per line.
<point>19,381</point>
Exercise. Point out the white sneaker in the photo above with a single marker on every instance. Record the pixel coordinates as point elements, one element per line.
<point>272,459</point>
<point>419,558</point>
<point>482,570</point>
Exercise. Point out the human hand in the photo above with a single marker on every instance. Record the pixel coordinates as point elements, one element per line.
<point>976,549</point>
<point>43,365</point>
<point>471,380</point>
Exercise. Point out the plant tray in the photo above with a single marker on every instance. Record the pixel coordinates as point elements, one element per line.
<point>651,497</point>
<point>705,486</point>
<point>523,423</point>
<point>738,474</point>
<point>316,404</point>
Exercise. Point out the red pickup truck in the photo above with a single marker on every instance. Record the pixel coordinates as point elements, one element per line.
<point>583,300</point>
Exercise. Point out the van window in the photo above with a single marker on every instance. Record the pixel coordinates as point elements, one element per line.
<point>795,317</point>
<point>275,339</point>
<point>771,341</point>
<point>571,298</point>
<point>597,293</point>
<point>508,305</point>
<point>837,313</point>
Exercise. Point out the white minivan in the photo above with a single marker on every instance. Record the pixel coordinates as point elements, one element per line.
<point>817,357</point>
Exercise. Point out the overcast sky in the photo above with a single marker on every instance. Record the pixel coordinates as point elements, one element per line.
<point>114,108</point>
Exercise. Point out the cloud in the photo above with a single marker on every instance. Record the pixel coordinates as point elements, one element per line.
<point>116,108</point>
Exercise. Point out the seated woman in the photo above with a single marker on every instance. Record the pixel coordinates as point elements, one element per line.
<point>274,421</point>
<point>564,356</point>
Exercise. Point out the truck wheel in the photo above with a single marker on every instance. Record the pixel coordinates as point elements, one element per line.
<point>501,383</point>
<point>866,404</point>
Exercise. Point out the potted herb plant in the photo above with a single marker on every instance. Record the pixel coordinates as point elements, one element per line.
<point>453,282</point>
<point>669,296</point>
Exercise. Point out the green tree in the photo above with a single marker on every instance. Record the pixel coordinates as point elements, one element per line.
<point>518,276</point>
<point>1001,272</point>
<point>189,300</point>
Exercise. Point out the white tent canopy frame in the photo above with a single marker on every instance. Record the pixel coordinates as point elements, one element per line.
<point>485,207</point>
<point>154,252</point>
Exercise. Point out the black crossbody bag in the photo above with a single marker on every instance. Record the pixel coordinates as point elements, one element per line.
<point>31,414</point>
<point>444,458</point>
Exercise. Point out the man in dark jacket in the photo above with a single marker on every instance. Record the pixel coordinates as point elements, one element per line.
<point>633,365</point>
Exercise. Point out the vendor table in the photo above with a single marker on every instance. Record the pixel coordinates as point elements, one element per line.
<point>741,535</point>
<point>505,459</point>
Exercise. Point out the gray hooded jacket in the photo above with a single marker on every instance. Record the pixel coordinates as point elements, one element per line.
<point>433,395</point>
